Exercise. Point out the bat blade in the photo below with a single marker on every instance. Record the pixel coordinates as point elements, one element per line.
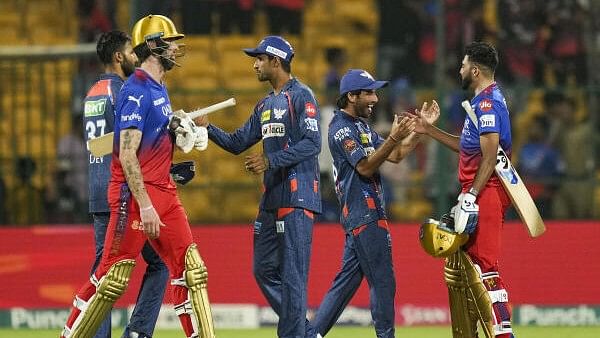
<point>514,187</point>
<point>103,145</point>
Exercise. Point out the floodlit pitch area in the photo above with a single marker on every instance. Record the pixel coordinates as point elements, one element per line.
<point>347,332</point>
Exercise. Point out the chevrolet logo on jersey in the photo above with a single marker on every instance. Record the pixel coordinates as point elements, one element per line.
<point>265,116</point>
<point>273,130</point>
<point>94,108</point>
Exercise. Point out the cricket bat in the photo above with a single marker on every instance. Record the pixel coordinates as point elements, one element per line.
<point>514,186</point>
<point>103,145</point>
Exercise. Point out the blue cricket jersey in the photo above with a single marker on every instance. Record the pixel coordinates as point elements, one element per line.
<point>288,125</point>
<point>98,119</point>
<point>144,104</point>
<point>493,117</point>
<point>361,198</point>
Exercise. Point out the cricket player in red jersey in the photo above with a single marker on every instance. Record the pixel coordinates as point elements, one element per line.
<point>142,195</point>
<point>482,202</point>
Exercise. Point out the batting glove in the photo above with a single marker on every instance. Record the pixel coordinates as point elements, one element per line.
<point>201,142</point>
<point>466,213</point>
<point>185,133</point>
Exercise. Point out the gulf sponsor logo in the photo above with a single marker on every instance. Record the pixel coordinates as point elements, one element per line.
<point>273,130</point>
<point>310,109</point>
<point>485,105</point>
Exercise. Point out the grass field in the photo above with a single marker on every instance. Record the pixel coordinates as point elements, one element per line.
<point>346,332</point>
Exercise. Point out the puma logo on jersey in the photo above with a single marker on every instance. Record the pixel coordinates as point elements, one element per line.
<point>131,98</point>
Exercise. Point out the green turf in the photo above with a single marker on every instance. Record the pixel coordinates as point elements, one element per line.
<point>346,332</point>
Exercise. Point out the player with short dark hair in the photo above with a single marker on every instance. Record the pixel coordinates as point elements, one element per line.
<point>116,54</point>
<point>142,195</point>
<point>482,202</point>
<point>358,152</point>
<point>287,122</point>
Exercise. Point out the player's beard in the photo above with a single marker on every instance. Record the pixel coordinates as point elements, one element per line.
<point>167,63</point>
<point>362,109</point>
<point>263,76</point>
<point>466,82</point>
<point>128,67</point>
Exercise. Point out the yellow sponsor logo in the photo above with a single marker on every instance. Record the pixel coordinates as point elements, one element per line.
<point>265,116</point>
<point>364,138</point>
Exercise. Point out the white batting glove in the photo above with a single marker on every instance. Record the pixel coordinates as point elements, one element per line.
<point>185,134</point>
<point>201,142</point>
<point>466,213</point>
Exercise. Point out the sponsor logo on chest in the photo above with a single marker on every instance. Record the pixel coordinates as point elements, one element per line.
<point>273,130</point>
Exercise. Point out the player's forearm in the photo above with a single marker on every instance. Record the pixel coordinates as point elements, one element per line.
<point>129,143</point>
<point>404,148</point>
<point>369,165</point>
<point>449,140</point>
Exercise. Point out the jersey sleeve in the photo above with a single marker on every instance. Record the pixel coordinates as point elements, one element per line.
<point>376,139</point>
<point>135,107</point>
<point>346,144</point>
<point>241,139</point>
<point>489,113</point>
<point>307,124</point>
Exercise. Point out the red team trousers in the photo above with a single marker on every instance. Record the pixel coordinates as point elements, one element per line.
<point>484,249</point>
<point>125,239</point>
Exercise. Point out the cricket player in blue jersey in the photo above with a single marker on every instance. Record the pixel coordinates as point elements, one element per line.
<point>287,122</point>
<point>357,153</point>
<point>142,195</point>
<point>482,202</point>
<point>118,58</point>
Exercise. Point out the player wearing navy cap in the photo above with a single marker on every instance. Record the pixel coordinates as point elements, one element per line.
<point>287,122</point>
<point>482,202</point>
<point>142,195</point>
<point>116,54</point>
<point>357,153</point>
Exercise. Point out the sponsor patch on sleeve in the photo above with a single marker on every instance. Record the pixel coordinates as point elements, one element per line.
<point>311,124</point>
<point>310,109</point>
<point>485,105</point>
<point>487,120</point>
<point>349,145</point>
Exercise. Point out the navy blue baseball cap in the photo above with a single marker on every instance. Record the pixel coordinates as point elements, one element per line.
<point>359,79</point>
<point>273,45</point>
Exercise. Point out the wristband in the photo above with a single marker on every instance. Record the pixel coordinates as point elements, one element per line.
<point>473,192</point>
<point>147,208</point>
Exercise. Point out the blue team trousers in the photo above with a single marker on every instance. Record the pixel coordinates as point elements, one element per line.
<point>368,253</point>
<point>144,316</point>
<point>282,243</point>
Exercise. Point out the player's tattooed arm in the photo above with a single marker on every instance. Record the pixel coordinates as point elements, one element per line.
<point>130,140</point>
<point>129,144</point>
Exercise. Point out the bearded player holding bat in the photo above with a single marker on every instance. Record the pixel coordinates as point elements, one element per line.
<point>482,202</point>
<point>142,195</point>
